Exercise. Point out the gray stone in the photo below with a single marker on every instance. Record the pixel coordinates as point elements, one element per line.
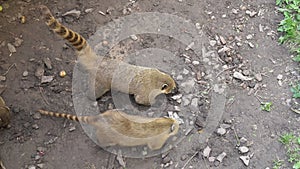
<point>279,77</point>
<point>47,79</point>
<point>221,156</point>
<point>206,151</point>
<point>258,77</point>
<point>179,77</point>
<point>35,126</point>
<point>11,48</point>
<point>134,37</point>
<point>185,71</point>
<point>195,62</point>
<point>2,78</point>
<point>31,167</point>
<point>212,42</point>
<point>225,126</point>
<point>18,42</point>
<point>243,149</point>
<point>240,76</point>
<point>25,73</point>
<point>243,140</point>
<point>185,101</point>
<point>194,103</point>
<point>211,159</point>
<point>72,128</point>
<point>221,131</point>
<point>48,63</point>
<point>39,71</point>
<point>36,116</point>
<point>245,159</point>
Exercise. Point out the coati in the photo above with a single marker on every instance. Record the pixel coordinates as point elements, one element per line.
<point>4,114</point>
<point>115,127</point>
<point>144,83</point>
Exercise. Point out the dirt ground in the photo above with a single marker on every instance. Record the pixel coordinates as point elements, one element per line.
<point>245,29</point>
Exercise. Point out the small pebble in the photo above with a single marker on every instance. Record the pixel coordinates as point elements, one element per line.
<point>212,43</point>
<point>41,165</point>
<point>2,78</point>
<point>254,127</point>
<point>221,156</point>
<point>166,160</point>
<point>134,37</point>
<point>176,97</point>
<point>36,116</point>
<point>35,126</point>
<point>221,131</point>
<point>88,10</point>
<point>211,159</point>
<point>11,48</point>
<point>18,42</point>
<point>243,149</point>
<point>198,26</point>
<point>235,11</point>
<point>185,71</point>
<point>195,63</point>
<point>248,37</point>
<point>222,40</point>
<point>25,73</point>
<point>243,140</point>
<point>183,157</point>
<point>41,149</point>
<point>225,126</point>
<point>26,125</point>
<point>179,77</point>
<point>206,151</point>
<point>190,46</point>
<point>39,72</point>
<point>245,159</point>
<point>258,77</point>
<point>251,13</point>
<point>47,79</point>
<point>31,167</point>
<point>251,45</point>
<point>279,77</point>
<point>72,128</point>
<point>246,72</point>
<point>48,63</point>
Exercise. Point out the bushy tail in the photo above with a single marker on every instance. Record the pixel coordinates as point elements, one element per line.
<point>74,38</point>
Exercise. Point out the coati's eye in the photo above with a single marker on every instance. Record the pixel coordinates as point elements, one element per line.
<point>164,86</point>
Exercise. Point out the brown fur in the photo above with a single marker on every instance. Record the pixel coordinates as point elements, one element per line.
<point>115,127</point>
<point>4,114</point>
<point>144,83</point>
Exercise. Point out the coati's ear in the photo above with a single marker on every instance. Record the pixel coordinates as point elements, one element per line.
<point>164,86</point>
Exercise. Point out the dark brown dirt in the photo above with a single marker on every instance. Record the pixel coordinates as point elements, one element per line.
<point>48,143</point>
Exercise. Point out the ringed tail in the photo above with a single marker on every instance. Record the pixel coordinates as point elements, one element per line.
<point>73,37</point>
<point>84,119</point>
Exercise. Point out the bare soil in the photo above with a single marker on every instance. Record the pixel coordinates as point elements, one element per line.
<point>42,142</point>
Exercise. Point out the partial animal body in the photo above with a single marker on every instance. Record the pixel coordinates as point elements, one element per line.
<point>4,114</point>
<point>115,127</point>
<point>144,83</point>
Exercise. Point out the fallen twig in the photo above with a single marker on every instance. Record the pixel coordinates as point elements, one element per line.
<point>43,96</point>
<point>230,68</point>
<point>187,162</point>
<point>295,110</point>
<point>14,64</point>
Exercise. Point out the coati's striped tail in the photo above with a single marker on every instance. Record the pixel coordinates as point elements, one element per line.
<point>73,37</point>
<point>84,119</point>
